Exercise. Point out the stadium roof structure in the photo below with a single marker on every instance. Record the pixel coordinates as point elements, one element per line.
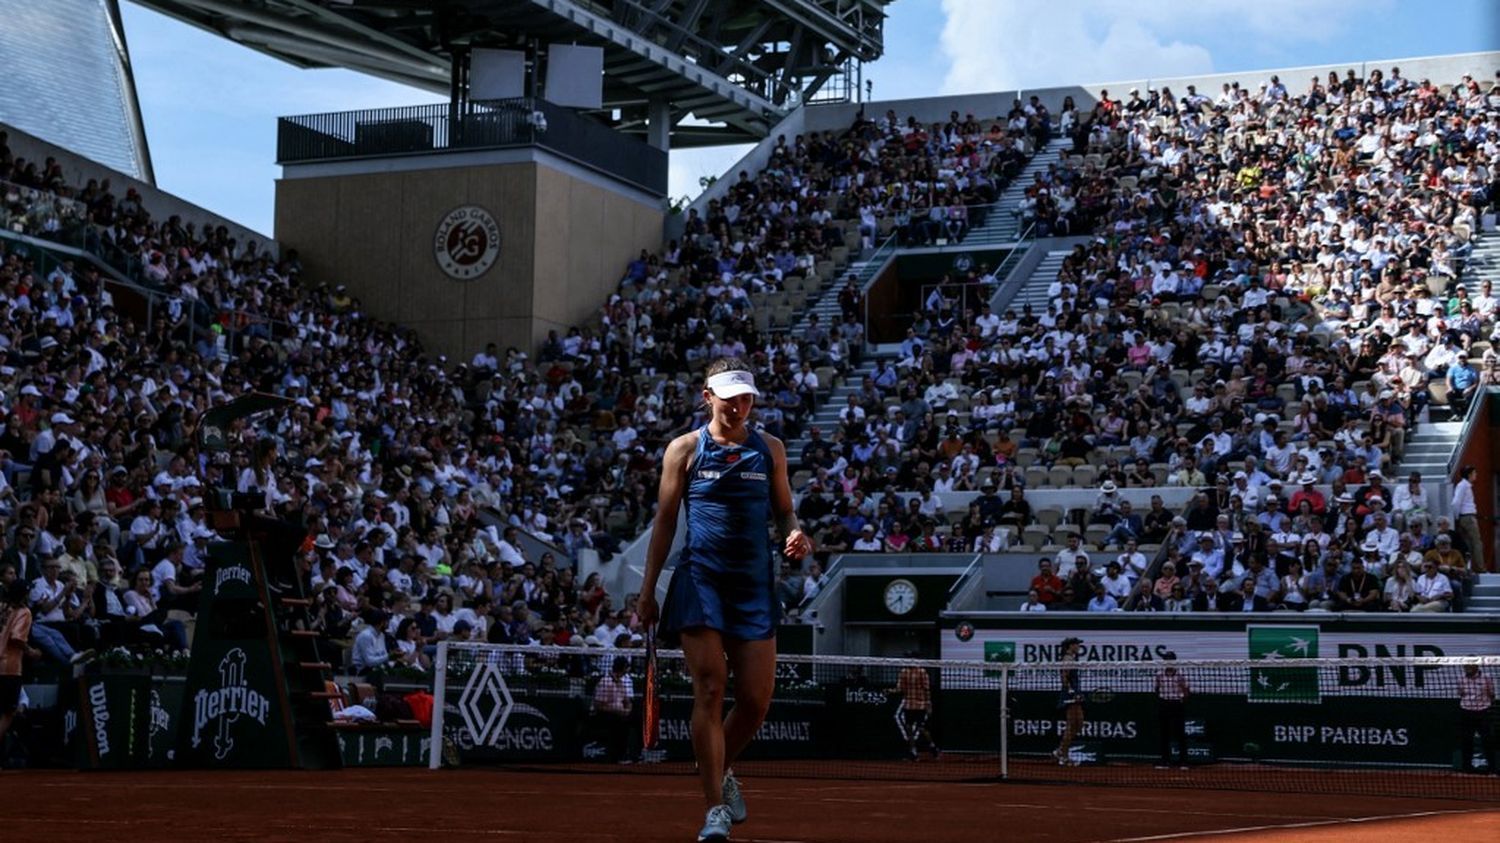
<point>68,81</point>
<point>737,66</point>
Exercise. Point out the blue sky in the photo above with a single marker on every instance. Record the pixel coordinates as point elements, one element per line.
<point>210,106</point>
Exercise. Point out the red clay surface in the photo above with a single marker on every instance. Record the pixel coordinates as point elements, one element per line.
<point>485,804</point>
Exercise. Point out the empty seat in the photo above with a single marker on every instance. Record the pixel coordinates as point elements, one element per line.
<point>1095,534</point>
<point>1035,535</point>
<point>1084,476</point>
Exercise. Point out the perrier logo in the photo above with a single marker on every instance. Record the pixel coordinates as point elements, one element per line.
<point>1281,682</point>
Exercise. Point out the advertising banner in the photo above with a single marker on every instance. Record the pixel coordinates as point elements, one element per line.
<point>114,721</point>
<point>1359,731</point>
<point>233,711</point>
<point>1280,645</point>
<point>165,708</point>
<point>384,747</point>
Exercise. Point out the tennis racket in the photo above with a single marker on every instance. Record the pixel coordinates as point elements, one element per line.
<point>651,704</point>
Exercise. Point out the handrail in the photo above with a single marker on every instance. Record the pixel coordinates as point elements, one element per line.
<point>488,124</point>
<point>958,583</point>
<point>874,265</point>
<point>38,207</point>
<point>1480,396</point>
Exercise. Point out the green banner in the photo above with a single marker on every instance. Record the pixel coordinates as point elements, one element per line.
<point>1276,645</point>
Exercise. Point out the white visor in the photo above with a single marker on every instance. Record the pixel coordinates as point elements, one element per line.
<point>730,384</point>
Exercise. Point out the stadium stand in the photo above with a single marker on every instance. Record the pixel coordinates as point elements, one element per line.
<point>414,474</point>
<point>1271,300</point>
<point>1294,261</point>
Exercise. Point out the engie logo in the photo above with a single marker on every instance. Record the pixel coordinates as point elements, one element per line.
<point>533,737</point>
<point>1283,644</point>
<point>467,242</point>
<point>99,702</point>
<point>488,709</point>
<point>233,699</point>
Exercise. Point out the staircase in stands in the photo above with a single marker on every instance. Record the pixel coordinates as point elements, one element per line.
<point>1002,226</point>
<point>1034,291</point>
<point>826,414</point>
<point>1429,449</point>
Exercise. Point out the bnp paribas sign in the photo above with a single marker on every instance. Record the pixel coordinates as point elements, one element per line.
<point>1276,677</point>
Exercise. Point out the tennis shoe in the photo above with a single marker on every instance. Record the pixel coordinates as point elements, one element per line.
<point>716,825</point>
<point>734,799</point>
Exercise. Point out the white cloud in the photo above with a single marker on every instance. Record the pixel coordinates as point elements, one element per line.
<point>1004,46</point>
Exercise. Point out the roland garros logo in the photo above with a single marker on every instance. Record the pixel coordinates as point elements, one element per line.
<point>467,242</point>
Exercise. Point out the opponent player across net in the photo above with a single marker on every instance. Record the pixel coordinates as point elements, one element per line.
<point>733,483</point>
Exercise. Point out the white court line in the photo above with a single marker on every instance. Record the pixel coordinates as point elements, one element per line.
<point>769,797</point>
<point>1281,826</point>
<point>382,829</point>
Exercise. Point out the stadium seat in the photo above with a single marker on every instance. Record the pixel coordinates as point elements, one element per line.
<point>1084,476</point>
<point>1060,476</point>
<point>1095,534</point>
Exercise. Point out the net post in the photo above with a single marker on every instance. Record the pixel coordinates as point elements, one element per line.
<point>439,694</point>
<point>1005,722</point>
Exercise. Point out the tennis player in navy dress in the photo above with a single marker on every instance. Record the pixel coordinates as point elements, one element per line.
<point>732,482</point>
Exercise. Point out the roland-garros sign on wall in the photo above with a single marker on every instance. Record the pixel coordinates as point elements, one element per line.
<point>467,242</point>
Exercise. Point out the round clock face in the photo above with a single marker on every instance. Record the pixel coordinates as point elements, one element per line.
<point>900,596</point>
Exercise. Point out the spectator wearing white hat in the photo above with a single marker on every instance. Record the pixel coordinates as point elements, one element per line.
<point>1433,591</point>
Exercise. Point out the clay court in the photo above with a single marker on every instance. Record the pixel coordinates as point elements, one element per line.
<point>550,807</point>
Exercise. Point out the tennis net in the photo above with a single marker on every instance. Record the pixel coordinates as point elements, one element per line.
<point>1388,726</point>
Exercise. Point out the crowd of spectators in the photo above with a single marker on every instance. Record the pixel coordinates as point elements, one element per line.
<point>1267,306</point>
<point>1290,260</point>
<point>411,473</point>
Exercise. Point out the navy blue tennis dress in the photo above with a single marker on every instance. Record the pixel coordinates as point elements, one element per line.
<point>724,578</point>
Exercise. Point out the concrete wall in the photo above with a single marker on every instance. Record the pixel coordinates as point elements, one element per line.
<point>565,241</point>
<point>1440,69</point>
<point>77,170</point>
<point>374,233</point>
<point>585,234</point>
